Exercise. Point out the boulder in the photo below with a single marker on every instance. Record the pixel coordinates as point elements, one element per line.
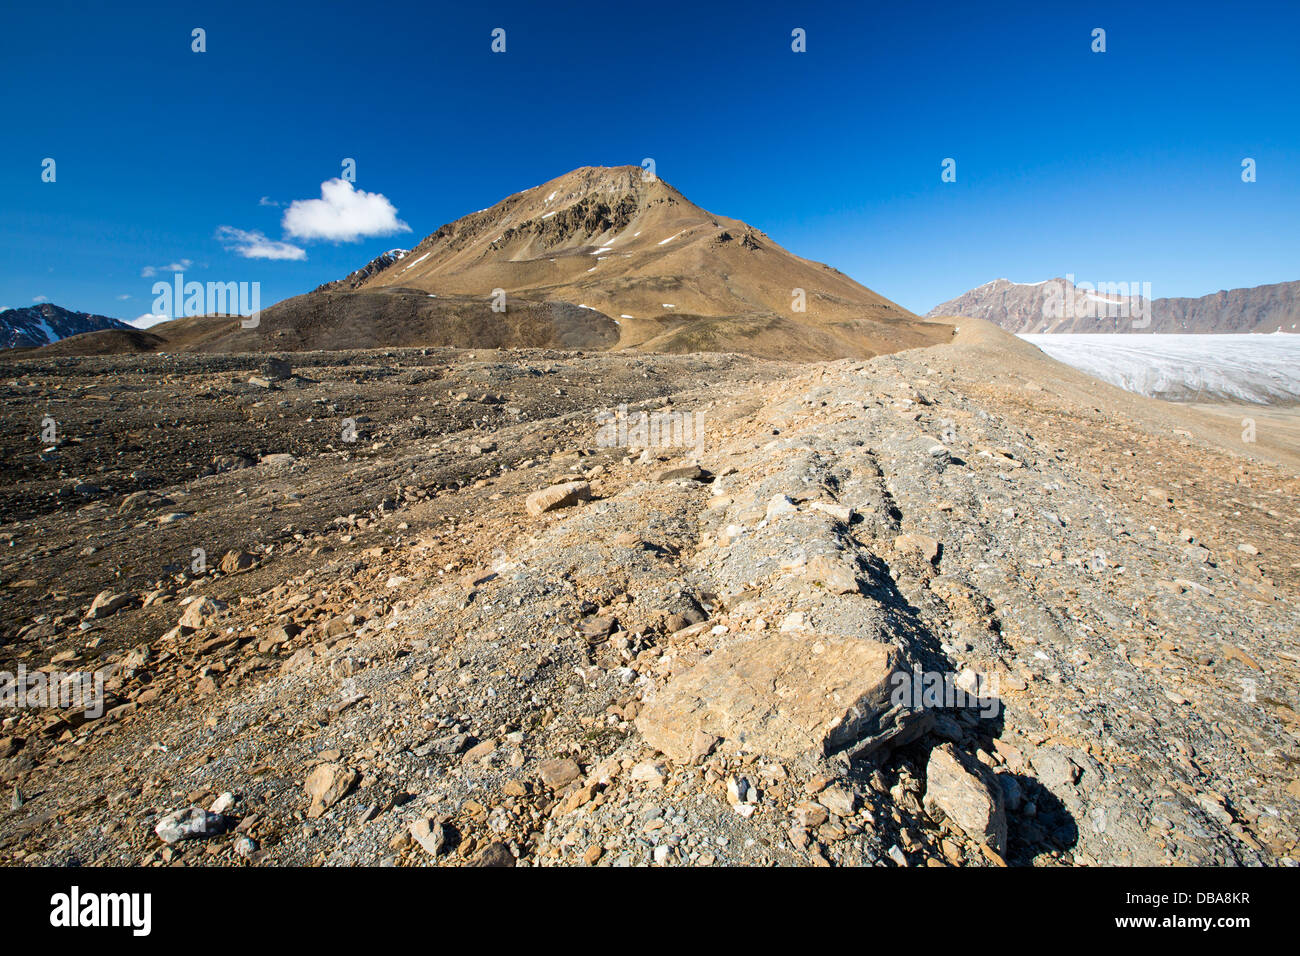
<point>781,695</point>
<point>557,496</point>
<point>966,793</point>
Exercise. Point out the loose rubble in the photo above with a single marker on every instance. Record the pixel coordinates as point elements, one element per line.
<point>551,652</point>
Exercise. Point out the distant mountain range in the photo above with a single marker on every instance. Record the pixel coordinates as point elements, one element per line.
<point>1060,305</point>
<point>37,325</point>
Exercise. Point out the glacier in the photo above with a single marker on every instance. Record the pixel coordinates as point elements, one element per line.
<point>1251,368</point>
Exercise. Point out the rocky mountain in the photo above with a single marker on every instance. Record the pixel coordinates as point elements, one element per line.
<point>598,258</point>
<point>38,325</point>
<point>671,275</point>
<point>1061,305</point>
<point>355,279</point>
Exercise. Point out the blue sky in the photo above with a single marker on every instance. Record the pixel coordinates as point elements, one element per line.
<point>1115,166</point>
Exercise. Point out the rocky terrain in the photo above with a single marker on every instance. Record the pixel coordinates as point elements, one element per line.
<point>1024,307</point>
<point>439,613</point>
<point>38,325</point>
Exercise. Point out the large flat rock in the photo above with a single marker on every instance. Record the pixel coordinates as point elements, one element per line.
<point>779,695</point>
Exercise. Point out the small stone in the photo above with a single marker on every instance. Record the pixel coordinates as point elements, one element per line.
<point>192,823</point>
<point>921,544</point>
<point>235,561</point>
<point>327,785</point>
<point>106,603</point>
<point>480,750</point>
<point>650,772</point>
<point>780,505</point>
<point>558,773</point>
<point>223,804</point>
<point>839,800</point>
<point>557,496</point>
<point>200,611</point>
<point>841,513</point>
<point>683,473</point>
<point>496,854</point>
<point>809,815</point>
<point>431,834</point>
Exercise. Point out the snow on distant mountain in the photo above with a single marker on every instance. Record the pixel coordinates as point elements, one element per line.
<point>372,268</point>
<point>1259,369</point>
<point>38,325</point>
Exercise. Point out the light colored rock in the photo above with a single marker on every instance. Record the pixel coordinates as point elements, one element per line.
<point>200,611</point>
<point>431,834</point>
<point>680,473</point>
<point>967,795</point>
<point>223,804</point>
<point>841,513</point>
<point>922,544</point>
<point>840,801</point>
<point>234,561</point>
<point>557,496</point>
<point>833,573</point>
<point>558,773</point>
<point>808,815</point>
<point>107,603</point>
<point>649,772</point>
<point>776,694</point>
<point>327,785</point>
<point>191,823</point>
<point>780,505</point>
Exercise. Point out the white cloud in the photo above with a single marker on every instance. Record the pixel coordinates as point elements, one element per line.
<point>123,297</point>
<point>40,298</point>
<point>148,272</point>
<point>255,245</point>
<point>267,201</point>
<point>342,214</point>
<point>148,320</point>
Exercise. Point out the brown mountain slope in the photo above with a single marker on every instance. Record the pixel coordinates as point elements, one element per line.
<point>672,276</point>
<point>644,255</point>
<point>596,259</point>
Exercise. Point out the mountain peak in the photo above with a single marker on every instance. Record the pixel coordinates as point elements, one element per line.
<point>45,322</point>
